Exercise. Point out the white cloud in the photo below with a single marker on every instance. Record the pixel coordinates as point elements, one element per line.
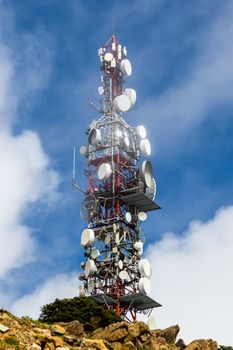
<point>193,280</point>
<point>61,286</point>
<point>26,176</point>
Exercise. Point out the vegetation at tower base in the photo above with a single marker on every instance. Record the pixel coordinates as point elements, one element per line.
<point>27,334</point>
<point>81,309</point>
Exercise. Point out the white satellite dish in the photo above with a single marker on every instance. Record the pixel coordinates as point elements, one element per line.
<point>94,136</point>
<point>113,63</point>
<point>95,253</point>
<point>90,268</point>
<point>108,56</point>
<point>145,311</point>
<point>107,240</point>
<point>131,94</point>
<point>126,141</point>
<point>154,186</point>
<point>104,171</point>
<point>87,237</point>
<point>144,268</point>
<point>120,264</point>
<point>151,191</point>
<point>128,217</point>
<point>138,245</point>
<point>124,276</point>
<point>126,67</point>
<point>145,147</point>
<point>119,133</point>
<point>83,150</point>
<point>90,286</point>
<point>82,265</point>
<point>122,103</point>
<point>152,323</point>
<point>147,173</point>
<point>98,284</point>
<point>142,216</point>
<point>144,285</point>
<point>141,131</point>
<point>140,252</point>
<point>82,291</point>
<point>81,276</point>
<point>100,90</point>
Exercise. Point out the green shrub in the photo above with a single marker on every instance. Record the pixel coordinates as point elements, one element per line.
<point>29,320</point>
<point>78,308</point>
<point>12,341</point>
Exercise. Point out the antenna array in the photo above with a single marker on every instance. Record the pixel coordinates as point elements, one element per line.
<point>119,195</point>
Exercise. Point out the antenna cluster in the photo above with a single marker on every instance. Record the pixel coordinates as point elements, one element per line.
<point>121,191</point>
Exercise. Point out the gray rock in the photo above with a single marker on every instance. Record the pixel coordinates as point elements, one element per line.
<point>3,328</point>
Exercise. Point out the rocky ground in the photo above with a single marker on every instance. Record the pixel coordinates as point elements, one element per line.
<point>25,334</point>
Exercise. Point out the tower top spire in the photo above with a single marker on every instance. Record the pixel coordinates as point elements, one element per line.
<point>114,69</point>
<point>113,24</point>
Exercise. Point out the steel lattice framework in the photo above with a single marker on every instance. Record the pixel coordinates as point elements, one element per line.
<point>119,194</point>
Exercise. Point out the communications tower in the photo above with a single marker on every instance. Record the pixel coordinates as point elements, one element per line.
<point>121,190</point>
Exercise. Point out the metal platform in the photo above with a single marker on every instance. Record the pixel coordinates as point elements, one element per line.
<point>102,299</point>
<point>141,201</point>
<point>137,301</point>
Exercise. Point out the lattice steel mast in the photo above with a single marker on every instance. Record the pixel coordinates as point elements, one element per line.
<point>119,195</point>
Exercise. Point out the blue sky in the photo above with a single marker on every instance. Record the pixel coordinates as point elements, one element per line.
<point>181,52</point>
